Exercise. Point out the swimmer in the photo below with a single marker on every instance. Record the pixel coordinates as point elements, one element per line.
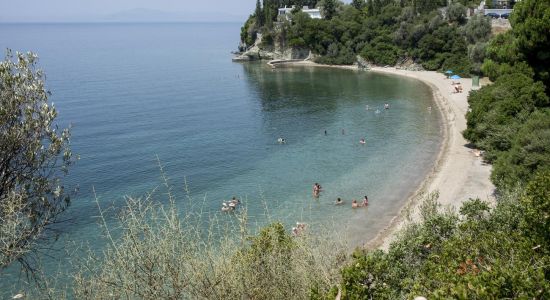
<point>281,140</point>
<point>365,201</point>
<point>235,201</point>
<point>377,111</point>
<point>343,132</point>
<point>354,204</point>
<point>366,107</point>
<point>226,207</point>
<point>325,132</point>
<point>362,141</point>
<point>339,202</point>
<point>316,190</point>
<point>386,106</point>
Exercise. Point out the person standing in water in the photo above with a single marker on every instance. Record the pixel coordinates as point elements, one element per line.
<point>365,201</point>
<point>325,132</point>
<point>316,190</point>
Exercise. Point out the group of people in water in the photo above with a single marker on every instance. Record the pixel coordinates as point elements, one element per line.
<point>299,229</point>
<point>362,141</point>
<point>230,205</point>
<point>354,203</point>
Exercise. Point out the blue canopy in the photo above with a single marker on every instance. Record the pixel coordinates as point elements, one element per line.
<point>448,72</point>
<point>455,77</point>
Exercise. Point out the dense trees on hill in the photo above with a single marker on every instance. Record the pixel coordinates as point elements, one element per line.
<point>509,119</point>
<point>384,32</point>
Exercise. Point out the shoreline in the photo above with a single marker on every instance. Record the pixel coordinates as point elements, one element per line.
<point>457,174</point>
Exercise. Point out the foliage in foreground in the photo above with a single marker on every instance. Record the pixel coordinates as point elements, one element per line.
<point>158,253</point>
<point>34,157</point>
<point>481,253</point>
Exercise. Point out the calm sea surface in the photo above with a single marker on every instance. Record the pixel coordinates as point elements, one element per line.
<point>137,91</point>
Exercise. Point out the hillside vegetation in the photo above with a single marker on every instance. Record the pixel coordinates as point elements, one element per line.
<point>384,32</point>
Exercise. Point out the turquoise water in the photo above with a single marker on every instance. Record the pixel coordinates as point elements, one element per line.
<point>135,91</point>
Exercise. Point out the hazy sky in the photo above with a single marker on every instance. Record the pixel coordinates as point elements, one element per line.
<point>84,10</point>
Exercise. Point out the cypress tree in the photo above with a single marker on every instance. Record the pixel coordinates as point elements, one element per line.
<point>370,8</point>
<point>259,14</point>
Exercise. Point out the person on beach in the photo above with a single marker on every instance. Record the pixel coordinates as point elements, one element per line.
<point>354,204</point>
<point>339,202</point>
<point>365,201</point>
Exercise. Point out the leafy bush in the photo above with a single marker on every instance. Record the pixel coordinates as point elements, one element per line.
<point>497,111</point>
<point>529,152</point>
<point>481,256</point>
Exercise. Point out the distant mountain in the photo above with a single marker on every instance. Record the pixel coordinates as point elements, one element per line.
<point>136,15</point>
<point>152,15</point>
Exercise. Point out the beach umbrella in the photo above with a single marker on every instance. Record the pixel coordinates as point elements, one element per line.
<point>448,72</point>
<point>455,77</point>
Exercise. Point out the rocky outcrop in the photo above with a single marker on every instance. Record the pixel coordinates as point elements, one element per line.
<point>409,65</point>
<point>258,52</point>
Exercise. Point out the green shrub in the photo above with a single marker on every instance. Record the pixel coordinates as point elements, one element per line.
<point>497,112</point>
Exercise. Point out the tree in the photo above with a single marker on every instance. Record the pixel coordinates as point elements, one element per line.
<point>328,8</point>
<point>259,14</point>
<point>531,26</point>
<point>34,156</point>
<point>358,4</point>
<point>478,29</point>
<point>456,13</point>
<point>370,8</point>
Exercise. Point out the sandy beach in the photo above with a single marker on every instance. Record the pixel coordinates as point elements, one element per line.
<point>458,173</point>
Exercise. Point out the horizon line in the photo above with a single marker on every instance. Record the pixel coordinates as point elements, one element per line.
<point>110,22</point>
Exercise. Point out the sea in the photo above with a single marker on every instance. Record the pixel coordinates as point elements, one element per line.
<point>141,96</point>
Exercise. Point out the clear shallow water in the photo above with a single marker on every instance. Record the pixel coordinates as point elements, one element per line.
<point>135,91</point>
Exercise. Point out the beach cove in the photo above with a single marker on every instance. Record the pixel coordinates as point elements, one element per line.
<point>218,133</point>
<point>458,173</point>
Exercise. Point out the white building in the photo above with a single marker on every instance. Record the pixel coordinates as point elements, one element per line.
<point>313,13</point>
